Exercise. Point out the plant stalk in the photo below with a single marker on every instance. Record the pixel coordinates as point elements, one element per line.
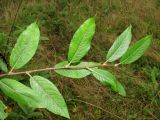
<point>57,68</point>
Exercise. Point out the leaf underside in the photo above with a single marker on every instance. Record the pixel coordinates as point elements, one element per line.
<point>51,98</point>
<point>120,46</point>
<point>106,78</point>
<point>74,73</point>
<point>3,115</point>
<point>19,92</point>
<point>136,51</point>
<point>25,47</point>
<point>3,65</point>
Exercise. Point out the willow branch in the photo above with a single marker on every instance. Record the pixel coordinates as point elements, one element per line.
<point>58,68</point>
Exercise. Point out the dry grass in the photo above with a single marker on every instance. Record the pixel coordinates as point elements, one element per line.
<point>86,98</point>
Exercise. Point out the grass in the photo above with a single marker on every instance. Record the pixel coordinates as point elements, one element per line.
<point>86,98</point>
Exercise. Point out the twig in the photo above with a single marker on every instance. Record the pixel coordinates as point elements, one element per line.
<point>57,68</point>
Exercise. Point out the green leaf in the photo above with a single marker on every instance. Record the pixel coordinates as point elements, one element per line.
<point>3,115</point>
<point>3,66</point>
<point>25,47</point>
<point>136,51</point>
<point>19,92</point>
<point>74,73</point>
<point>120,46</point>
<point>120,88</point>
<point>51,98</point>
<point>26,109</point>
<point>106,78</point>
<point>81,41</point>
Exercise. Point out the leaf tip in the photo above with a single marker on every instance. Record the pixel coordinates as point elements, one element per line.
<point>92,19</point>
<point>35,23</point>
<point>149,37</point>
<point>68,117</point>
<point>130,27</point>
<point>123,93</point>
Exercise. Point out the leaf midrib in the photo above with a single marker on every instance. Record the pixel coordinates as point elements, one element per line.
<point>133,53</point>
<point>79,45</point>
<point>101,75</point>
<point>45,93</point>
<point>26,44</point>
<point>14,90</point>
<point>118,48</point>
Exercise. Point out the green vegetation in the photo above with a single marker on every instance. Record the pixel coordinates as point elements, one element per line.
<point>86,98</point>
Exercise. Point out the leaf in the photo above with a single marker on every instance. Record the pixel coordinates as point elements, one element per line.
<point>74,73</point>
<point>136,51</point>
<point>120,88</point>
<point>81,41</point>
<point>120,46</point>
<point>3,115</point>
<point>106,78</point>
<point>19,92</point>
<point>25,47</point>
<point>3,66</point>
<point>26,109</point>
<point>51,98</point>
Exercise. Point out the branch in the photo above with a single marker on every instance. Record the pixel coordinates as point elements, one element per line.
<point>57,68</point>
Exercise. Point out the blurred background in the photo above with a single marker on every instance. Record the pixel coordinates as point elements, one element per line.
<point>86,98</point>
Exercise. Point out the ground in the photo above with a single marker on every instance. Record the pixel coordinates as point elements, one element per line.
<point>86,98</point>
